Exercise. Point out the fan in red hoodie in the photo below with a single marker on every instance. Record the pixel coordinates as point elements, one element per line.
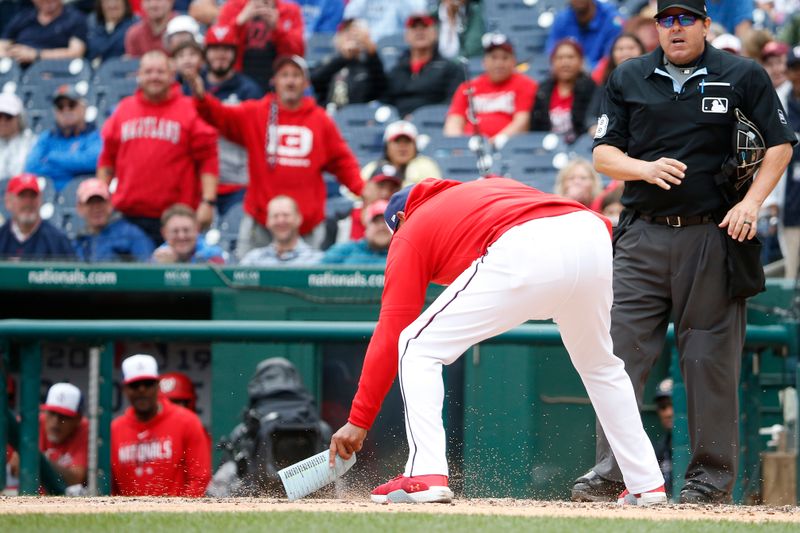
<point>266,29</point>
<point>157,448</point>
<point>509,254</point>
<point>290,141</point>
<point>160,150</point>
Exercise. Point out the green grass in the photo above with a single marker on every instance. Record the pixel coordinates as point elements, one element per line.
<point>358,522</point>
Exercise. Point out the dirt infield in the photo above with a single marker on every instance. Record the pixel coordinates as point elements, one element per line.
<point>507,507</point>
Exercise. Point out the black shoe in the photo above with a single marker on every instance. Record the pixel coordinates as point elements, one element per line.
<point>703,493</point>
<point>593,488</point>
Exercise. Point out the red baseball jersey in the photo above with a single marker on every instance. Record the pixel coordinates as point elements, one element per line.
<point>158,152</point>
<point>495,103</point>
<point>306,144</point>
<point>166,456</point>
<point>72,452</point>
<point>468,218</point>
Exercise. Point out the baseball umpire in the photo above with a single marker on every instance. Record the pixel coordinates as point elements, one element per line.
<point>685,127</point>
<point>509,254</point>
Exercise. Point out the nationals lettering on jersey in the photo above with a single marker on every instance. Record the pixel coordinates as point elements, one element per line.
<point>140,452</point>
<point>162,129</point>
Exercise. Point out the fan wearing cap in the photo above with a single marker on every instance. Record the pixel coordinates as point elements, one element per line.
<point>71,147</point>
<point>773,59</point>
<point>372,248</point>
<point>383,17</point>
<point>383,182</point>
<point>666,125</point>
<point>25,236</point>
<point>149,33</point>
<point>231,88</point>
<point>108,25</point>
<point>106,237</point>
<point>157,448</point>
<point>159,150</point>
<point>501,248</point>
<point>592,23</point>
<point>353,73</point>
<point>265,29</point>
<point>400,151</point>
<point>290,141</point>
<point>64,433</point>
<point>422,76</point>
<point>287,248</point>
<point>181,30</point>
<point>501,97</point>
<point>16,140</point>
<point>189,60</point>
<point>48,30</point>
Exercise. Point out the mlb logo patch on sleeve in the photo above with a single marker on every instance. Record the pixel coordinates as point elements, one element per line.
<point>715,105</point>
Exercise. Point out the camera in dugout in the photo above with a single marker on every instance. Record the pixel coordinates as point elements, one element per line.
<point>279,427</point>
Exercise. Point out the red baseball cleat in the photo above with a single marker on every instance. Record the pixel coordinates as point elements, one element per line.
<point>415,489</point>
<point>651,497</point>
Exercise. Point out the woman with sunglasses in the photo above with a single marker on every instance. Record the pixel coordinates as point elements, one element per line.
<point>665,129</point>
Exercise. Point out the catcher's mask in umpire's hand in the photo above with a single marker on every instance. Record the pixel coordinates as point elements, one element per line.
<point>748,147</point>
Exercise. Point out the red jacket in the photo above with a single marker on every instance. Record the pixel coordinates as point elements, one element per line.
<point>158,152</point>
<point>467,219</point>
<point>308,144</point>
<point>166,456</point>
<point>287,35</point>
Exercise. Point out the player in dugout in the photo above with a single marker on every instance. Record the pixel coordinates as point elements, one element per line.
<point>507,253</point>
<point>157,448</point>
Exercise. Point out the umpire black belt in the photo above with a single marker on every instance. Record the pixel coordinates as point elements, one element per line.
<point>678,221</point>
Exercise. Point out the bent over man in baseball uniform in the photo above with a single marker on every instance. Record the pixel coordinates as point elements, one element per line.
<point>508,253</point>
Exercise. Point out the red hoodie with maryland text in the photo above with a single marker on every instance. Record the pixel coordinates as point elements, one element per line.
<point>307,142</point>
<point>158,152</point>
<point>165,456</point>
<point>448,225</point>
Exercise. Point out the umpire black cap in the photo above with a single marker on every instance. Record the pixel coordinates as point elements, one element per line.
<point>698,7</point>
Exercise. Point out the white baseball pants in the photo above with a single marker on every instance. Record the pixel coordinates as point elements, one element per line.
<point>559,268</point>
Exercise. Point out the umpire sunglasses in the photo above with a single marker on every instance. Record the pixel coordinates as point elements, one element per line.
<point>684,19</point>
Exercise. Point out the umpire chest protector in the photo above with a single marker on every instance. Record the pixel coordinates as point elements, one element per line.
<point>649,115</point>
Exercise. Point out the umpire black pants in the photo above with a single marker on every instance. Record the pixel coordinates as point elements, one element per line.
<point>660,271</point>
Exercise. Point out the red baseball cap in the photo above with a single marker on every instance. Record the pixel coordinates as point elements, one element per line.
<point>23,182</point>
<point>219,35</point>
<point>376,209</point>
<point>420,18</point>
<point>774,49</point>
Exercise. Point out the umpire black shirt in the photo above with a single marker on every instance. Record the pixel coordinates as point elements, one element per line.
<point>646,114</point>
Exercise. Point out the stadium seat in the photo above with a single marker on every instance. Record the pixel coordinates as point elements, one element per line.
<point>361,115</point>
<point>430,117</point>
<point>61,70</point>
<point>10,73</point>
<point>441,147</point>
<point>66,198</point>
<point>581,147</point>
<point>116,68</point>
<point>318,47</point>
<point>531,143</point>
<point>69,221</point>
<point>106,97</point>
<point>39,94</point>
<point>460,167</point>
<point>367,141</point>
<point>40,120</point>
<point>228,226</point>
<point>535,170</point>
<point>390,48</point>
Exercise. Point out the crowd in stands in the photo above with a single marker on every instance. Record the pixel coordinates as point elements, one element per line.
<point>171,131</point>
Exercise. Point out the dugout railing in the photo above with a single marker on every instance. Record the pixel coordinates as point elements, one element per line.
<point>101,334</point>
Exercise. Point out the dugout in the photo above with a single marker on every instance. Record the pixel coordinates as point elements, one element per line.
<point>519,422</point>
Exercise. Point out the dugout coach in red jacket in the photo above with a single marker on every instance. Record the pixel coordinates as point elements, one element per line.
<point>508,253</point>
<point>160,150</point>
<point>290,141</point>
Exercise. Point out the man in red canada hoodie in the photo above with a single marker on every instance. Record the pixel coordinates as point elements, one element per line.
<point>160,150</point>
<point>265,30</point>
<point>158,448</point>
<point>508,253</point>
<point>290,141</point>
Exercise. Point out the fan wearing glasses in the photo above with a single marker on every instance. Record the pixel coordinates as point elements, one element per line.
<point>665,128</point>
<point>71,147</point>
